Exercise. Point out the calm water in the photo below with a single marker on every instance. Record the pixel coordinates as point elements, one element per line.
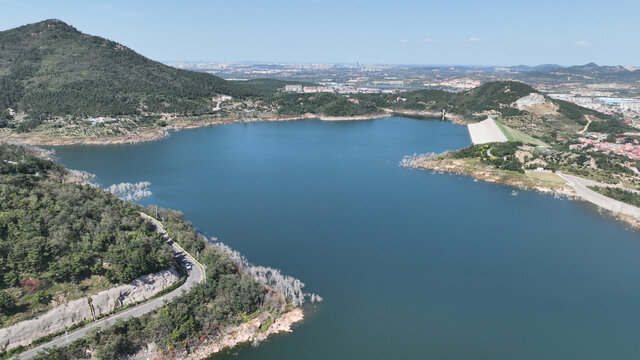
<point>411,264</point>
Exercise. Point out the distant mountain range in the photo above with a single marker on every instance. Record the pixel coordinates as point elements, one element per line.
<point>587,68</point>
<point>590,71</point>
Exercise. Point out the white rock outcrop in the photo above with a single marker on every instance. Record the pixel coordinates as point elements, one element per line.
<point>530,100</point>
<point>104,302</point>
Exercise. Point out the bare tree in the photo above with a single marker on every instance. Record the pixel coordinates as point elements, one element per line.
<point>288,286</point>
<point>130,192</point>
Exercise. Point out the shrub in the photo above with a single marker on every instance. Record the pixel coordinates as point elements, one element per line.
<point>7,303</point>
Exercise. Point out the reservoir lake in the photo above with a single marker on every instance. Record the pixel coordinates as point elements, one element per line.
<point>411,264</point>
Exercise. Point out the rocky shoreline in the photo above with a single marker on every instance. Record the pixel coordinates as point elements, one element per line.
<point>483,172</point>
<point>488,173</point>
<point>155,133</point>
<point>354,118</point>
<point>251,331</point>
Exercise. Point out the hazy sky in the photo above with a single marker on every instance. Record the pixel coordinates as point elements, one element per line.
<point>478,32</point>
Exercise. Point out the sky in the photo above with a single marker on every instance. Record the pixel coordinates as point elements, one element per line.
<point>465,32</point>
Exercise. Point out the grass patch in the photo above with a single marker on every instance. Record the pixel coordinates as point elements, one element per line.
<point>477,169</point>
<point>516,135</point>
<point>591,174</point>
<point>269,321</point>
<point>545,176</point>
<point>249,317</point>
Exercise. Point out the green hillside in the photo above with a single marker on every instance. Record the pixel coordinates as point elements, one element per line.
<point>61,240</point>
<point>498,100</point>
<point>51,69</point>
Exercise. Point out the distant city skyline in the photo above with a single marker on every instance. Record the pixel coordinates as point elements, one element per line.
<point>491,33</point>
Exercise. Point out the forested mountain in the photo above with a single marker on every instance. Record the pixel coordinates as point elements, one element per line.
<point>51,69</point>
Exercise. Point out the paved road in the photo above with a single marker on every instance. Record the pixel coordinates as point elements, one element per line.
<point>195,276</point>
<point>580,186</point>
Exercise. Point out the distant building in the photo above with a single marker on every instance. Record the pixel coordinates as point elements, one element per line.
<point>631,105</point>
<point>293,88</point>
<point>317,89</point>
<point>101,120</point>
<point>598,143</point>
<point>389,82</point>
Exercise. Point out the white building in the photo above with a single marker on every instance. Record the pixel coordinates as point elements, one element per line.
<point>293,88</point>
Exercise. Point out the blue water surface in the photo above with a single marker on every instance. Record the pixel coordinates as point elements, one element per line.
<point>412,265</point>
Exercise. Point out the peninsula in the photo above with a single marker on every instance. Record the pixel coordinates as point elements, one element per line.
<point>531,141</point>
<point>79,258</point>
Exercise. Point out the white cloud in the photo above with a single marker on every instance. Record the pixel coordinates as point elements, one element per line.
<point>473,39</point>
<point>404,41</point>
<point>582,43</point>
<point>428,40</point>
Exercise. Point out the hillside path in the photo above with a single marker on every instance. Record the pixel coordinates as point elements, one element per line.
<point>194,277</point>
